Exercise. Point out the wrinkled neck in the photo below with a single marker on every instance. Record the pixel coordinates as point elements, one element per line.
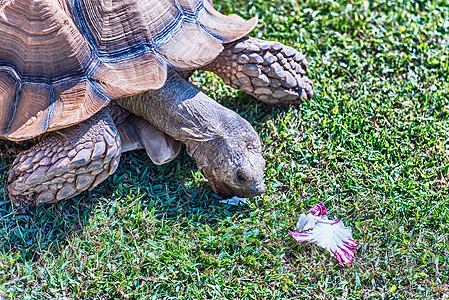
<point>186,114</point>
<point>178,109</point>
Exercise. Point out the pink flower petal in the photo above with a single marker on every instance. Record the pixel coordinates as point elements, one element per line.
<point>318,210</point>
<point>301,236</point>
<point>331,235</point>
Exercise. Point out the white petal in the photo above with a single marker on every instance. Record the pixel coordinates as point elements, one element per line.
<point>331,235</point>
<point>236,201</point>
<point>305,222</point>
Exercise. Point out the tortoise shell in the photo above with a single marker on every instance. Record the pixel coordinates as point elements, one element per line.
<point>61,61</point>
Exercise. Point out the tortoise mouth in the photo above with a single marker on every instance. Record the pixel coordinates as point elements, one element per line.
<point>227,191</point>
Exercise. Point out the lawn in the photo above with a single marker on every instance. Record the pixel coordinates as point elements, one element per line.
<point>373,145</point>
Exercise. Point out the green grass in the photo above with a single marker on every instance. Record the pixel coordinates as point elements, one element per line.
<point>373,145</point>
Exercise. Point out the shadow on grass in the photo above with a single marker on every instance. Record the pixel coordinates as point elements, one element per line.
<point>254,111</point>
<point>43,229</point>
<point>173,192</point>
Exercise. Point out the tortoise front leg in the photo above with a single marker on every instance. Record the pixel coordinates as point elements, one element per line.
<point>269,71</point>
<point>65,163</point>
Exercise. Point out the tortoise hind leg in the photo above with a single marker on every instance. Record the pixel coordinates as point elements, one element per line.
<point>270,71</point>
<point>137,133</point>
<point>65,163</point>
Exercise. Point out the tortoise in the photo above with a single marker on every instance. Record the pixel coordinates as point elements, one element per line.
<point>87,80</point>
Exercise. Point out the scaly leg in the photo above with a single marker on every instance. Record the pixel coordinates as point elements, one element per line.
<point>269,71</point>
<point>65,163</point>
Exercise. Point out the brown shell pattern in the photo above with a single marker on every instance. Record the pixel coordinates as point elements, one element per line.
<point>61,61</point>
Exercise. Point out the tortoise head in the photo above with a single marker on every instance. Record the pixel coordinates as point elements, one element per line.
<point>233,164</point>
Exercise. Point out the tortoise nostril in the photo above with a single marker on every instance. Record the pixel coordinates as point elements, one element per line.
<point>241,178</point>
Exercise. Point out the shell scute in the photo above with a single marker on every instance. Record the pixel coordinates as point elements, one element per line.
<point>61,61</point>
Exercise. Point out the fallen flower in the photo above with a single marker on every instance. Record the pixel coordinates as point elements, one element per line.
<point>331,235</point>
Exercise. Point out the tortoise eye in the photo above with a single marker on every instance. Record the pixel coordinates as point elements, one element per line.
<point>240,177</point>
